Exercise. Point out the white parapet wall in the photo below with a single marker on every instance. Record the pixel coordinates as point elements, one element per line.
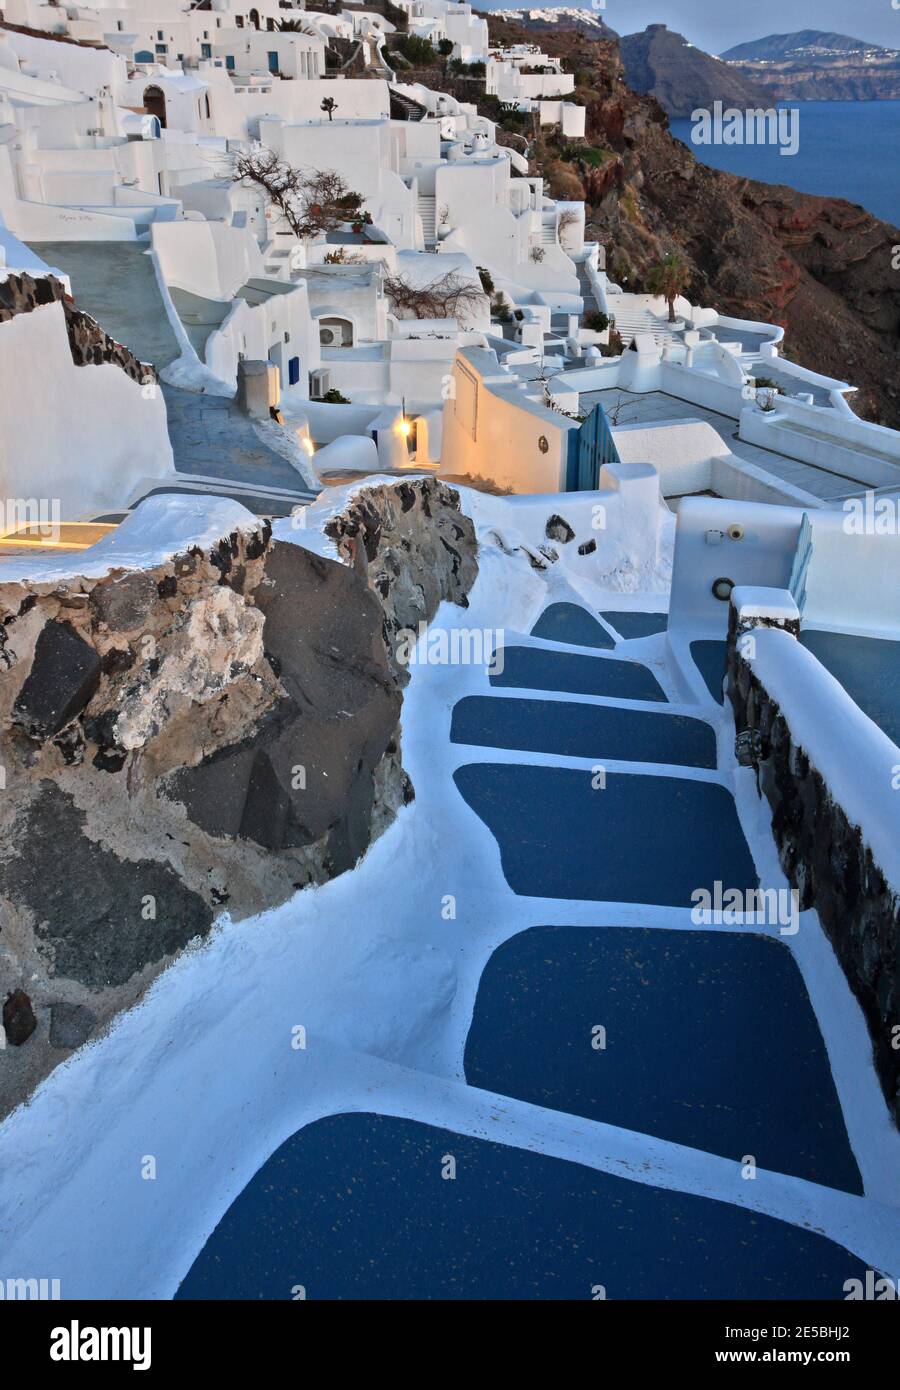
<point>691,457</point>
<point>749,543</point>
<point>82,437</point>
<point>852,576</point>
<point>828,438</point>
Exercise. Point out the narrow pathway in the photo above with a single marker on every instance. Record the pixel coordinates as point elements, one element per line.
<point>689,1050</point>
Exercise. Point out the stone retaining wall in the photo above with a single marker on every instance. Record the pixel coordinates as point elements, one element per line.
<point>826,860</point>
<point>89,344</point>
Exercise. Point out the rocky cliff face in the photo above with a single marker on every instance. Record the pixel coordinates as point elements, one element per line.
<point>821,267</point>
<point>841,80</point>
<point>663,64</point>
<point>211,733</point>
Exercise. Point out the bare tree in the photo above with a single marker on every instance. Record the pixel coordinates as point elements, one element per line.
<point>344,257</point>
<point>310,200</point>
<point>445,298</point>
<point>567,218</point>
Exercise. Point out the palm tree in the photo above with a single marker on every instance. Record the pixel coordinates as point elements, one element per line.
<point>296,26</point>
<point>669,278</point>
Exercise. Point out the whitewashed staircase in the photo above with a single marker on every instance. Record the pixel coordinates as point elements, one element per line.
<point>633,315</point>
<point>428,215</point>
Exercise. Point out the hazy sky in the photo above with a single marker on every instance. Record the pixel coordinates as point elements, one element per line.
<point>719,24</point>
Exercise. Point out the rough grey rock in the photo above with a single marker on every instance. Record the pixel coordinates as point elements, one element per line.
<point>94,909</point>
<point>416,549</point>
<point>64,675</point>
<point>70,1025</point>
<point>19,1021</point>
<point>558,529</point>
<point>249,747</point>
<point>296,779</point>
<point>124,604</point>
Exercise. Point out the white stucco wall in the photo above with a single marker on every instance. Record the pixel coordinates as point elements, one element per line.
<point>206,258</point>
<point>491,428</point>
<point>83,435</point>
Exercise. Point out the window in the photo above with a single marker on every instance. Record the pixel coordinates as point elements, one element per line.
<point>162,48</point>
<point>239,21</point>
<point>229,61</point>
<point>206,50</point>
<point>160,34</point>
<point>206,100</point>
<point>119,25</point>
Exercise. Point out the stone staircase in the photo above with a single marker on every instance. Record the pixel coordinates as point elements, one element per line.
<point>585,289</point>
<point>632,316</point>
<point>404,108</point>
<point>428,214</point>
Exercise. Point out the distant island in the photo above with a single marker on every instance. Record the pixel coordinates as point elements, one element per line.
<point>809,65</point>
<point>812,65</point>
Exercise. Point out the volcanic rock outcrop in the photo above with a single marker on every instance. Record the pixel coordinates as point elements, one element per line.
<point>209,733</point>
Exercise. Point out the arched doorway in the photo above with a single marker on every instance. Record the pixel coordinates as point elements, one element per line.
<point>155,104</point>
<point>254,18</point>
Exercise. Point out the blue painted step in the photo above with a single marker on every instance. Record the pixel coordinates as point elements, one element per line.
<point>630,625</point>
<point>583,731</point>
<point>356,1207</point>
<point>710,1041</point>
<point>566,622</point>
<point>641,839</point>
<point>709,658</point>
<point>869,670</point>
<point>532,668</point>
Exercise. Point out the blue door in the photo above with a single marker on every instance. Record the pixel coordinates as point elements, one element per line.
<point>229,62</point>
<point>293,370</point>
<point>206,50</point>
<point>273,62</point>
<point>590,447</point>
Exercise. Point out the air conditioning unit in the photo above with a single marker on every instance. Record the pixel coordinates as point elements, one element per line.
<point>319,384</point>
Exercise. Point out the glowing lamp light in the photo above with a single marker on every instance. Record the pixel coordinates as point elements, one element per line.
<point>405,428</point>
